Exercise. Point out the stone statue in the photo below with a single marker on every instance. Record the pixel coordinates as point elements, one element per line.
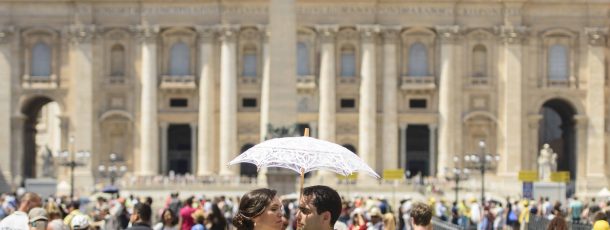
<point>47,163</point>
<point>547,163</point>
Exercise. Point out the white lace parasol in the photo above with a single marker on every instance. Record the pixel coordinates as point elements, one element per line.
<point>304,153</point>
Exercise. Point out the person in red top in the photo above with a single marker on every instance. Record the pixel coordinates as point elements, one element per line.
<point>185,214</point>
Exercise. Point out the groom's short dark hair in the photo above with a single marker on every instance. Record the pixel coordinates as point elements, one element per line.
<point>325,199</point>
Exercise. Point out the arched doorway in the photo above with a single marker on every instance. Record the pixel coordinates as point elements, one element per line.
<point>247,169</point>
<point>41,137</point>
<point>557,129</point>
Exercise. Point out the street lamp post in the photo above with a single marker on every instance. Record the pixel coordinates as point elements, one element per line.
<point>482,161</point>
<point>457,174</point>
<point>71,159</point>
<point>112,170</point>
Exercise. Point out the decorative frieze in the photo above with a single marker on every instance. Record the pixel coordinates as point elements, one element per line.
<point>228,32</point>
<point>448,33</point>
<point>390,33</point>
<point>368,32</point>
<point>511,34</point>
<point>80,33</point>
<point>327,33</point>
<point>6,33</point>
<point>146,33</point>
<point>596,35</point>
<point>206,33</point>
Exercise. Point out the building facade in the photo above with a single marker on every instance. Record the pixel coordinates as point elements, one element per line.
<point>179,86</point>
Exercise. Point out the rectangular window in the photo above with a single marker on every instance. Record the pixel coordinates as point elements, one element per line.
<point>249,66</point>
<point>178,102</point>
<point>418,103</point>
<point>348,103</point>
<point>348,64</point>
<point>248,102</point>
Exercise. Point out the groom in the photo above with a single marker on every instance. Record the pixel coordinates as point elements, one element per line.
<point>319,208</point>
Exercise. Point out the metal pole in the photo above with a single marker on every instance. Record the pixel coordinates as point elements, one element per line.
<point>457,187</point>
<point>72,165</point>
<point>483,161</point>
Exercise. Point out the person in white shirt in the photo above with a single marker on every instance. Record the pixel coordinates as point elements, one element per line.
<point>19,220</point>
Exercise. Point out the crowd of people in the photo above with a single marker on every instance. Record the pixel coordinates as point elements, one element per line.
<point>318,208</point>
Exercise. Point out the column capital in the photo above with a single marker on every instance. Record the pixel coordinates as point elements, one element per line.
<point>164,125</point>
<point>264,32</point>
<point>327,33</point>
<point>368,32</point>
<point>228,32</point>
<point>596,35</point>
<point>146,33</point>
<point>206,33</point>
<point>6,33</point>
<point>448,33</point>
<point>390,33</point>
<point>511,34</point>
<point>79,33</point>
<point>432,126</point>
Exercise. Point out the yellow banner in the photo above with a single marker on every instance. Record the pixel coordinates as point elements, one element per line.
<point>393,174</point>
<point>352,176</point>
<point>528,176</point>
<point>562,176</point>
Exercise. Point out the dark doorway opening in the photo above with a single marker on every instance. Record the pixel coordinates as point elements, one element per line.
<point>179,148</point>
<point>418,150</point>
<point>247,169</point>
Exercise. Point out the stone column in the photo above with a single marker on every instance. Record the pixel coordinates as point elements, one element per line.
<point>432,148</point>
<point>149,137</point>
<point>596,60</point>
<point>265,90</point>
<point>580,125</point>
<point>448,124</point>
<point>264,121</point>
<point>403,147</point>
<point>390,88</point>
<point>164,148</point>
<point>194,159</point>
<point>327,117</point>
<point>82,81</point>
<point>5,104</point>
<point>228,97</point>
<point>17,154</point>
<point>205,143</point>
<point>314,129</point>
<point>512,153</point>
<point>531,158</point>
<point>367,122</point>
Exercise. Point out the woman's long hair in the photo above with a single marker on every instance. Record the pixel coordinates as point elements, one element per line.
<point>251,205</point>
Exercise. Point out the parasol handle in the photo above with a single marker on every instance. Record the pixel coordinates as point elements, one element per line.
<point>305,134</point>
<point>302,179</point>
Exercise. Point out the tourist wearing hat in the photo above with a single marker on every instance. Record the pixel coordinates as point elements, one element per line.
<point>19,219</point>
<point>376,222</point>
<point>38,218</point>
<point>80,222</point>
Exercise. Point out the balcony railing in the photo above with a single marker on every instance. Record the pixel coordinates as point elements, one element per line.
<point>178,82</point>
<point>418,83</point>
<point>40,82</point>
<point>306,82</point>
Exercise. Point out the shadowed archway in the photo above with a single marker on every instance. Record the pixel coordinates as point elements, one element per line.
<point>558,129</point>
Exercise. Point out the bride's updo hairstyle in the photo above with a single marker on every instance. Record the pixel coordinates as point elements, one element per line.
<point>251,205</point>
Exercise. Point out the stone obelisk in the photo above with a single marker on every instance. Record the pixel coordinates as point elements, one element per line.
<point>279,94</point>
